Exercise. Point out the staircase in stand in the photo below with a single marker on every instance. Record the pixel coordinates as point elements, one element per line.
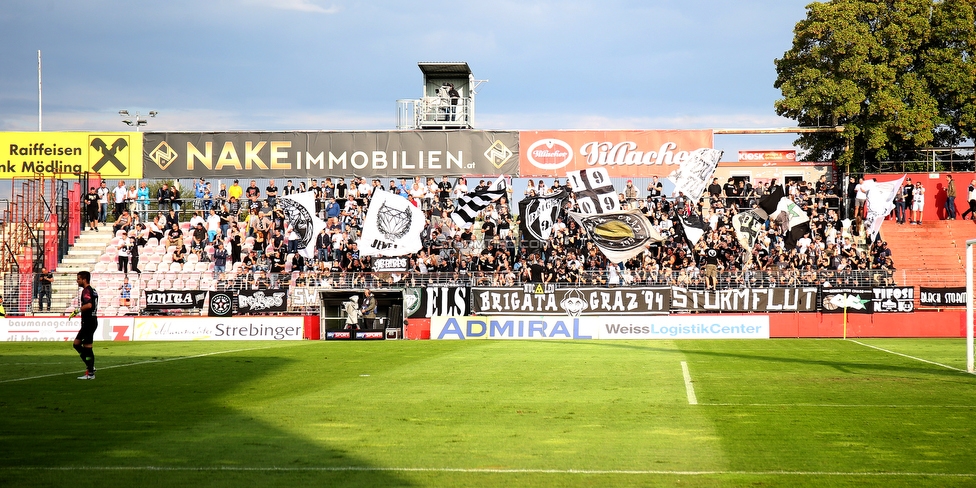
<point>930,254</point>
<point>81,257</point>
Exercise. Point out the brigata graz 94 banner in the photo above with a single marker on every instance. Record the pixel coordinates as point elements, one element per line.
<point>330,154</point>
<point>539,299</point>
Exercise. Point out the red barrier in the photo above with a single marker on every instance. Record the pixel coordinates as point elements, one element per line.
<point>417,329</point>
<point>313,331</point>
<point>922,323</point>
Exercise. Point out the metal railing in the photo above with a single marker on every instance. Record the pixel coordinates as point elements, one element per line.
<point>304,286</point>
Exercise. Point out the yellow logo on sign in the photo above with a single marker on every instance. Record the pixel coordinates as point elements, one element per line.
<point>163,155</point>
<point>498,154</point>
<point>109,154</point>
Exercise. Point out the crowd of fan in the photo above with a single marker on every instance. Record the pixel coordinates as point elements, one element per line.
<point>250,243</point>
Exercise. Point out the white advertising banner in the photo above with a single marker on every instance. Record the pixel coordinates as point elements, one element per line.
<point>697,326</point>
<point>28,329</point>
<point>252,328</point>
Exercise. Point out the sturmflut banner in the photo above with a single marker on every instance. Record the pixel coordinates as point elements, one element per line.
<point>541,327</point>
<point>802,299</point>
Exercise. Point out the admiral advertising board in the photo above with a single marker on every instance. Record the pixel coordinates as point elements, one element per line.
<point>62,329</point>
<point>330,154</point>
<point>624,153</point>
<point>218,329</point>
<point>540,327</point>
<point>114,155</point>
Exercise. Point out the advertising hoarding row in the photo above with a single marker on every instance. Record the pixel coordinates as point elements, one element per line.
<point>344,154</point>
<point>157,328</point>
<point>600,327</point>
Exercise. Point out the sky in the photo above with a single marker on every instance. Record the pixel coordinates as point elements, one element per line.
<point>218,65</point>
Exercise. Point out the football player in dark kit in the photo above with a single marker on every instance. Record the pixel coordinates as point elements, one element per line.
<point>89,322</point>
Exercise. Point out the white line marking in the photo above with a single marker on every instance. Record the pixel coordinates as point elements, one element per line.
<point>486,470</point>
<point>150,361</point>
<point>909,357</point>
<point>830,405</point>
<point>692,400</point>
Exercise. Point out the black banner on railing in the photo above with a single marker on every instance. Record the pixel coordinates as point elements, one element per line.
<point>854,300</point>
<point>942,297</point>
<point>432,301</point>
<point>893,299</point>
<point>172,299</point>
<point>539,299</point>
<point>802,299</point>
<point>221,303</point>
<point>262,301</point>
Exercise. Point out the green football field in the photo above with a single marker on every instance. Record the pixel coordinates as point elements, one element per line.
<point>878,412</point>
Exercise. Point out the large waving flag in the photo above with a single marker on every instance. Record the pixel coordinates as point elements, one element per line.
<point>692,175</point>
<point>392,227</point>
<point>470,205</point>
<point>593,190</point>
<point>881,197</point>
<point>619,235</point>
<point>537,215</point>
<point>299,210</point>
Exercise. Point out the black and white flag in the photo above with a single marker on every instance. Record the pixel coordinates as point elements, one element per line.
<point>693,174</point>
<point>299,210</point>
<point>537,215</point>
<point>694,228</point>
<point>619,235</point>
<point>392,226</point>
<point>471,204</point>
<point>747,226</point>
<point>594,191</point>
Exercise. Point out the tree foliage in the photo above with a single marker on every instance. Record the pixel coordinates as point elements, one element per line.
<point>897,74</point>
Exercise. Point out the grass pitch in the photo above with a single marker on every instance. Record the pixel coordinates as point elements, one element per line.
<point>490,413</point>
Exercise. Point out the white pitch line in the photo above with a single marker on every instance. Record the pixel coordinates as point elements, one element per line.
<point>150,361</point>
<point>692,399</point>
<point>829,405</point>
<point>488,471</point>
<point>909,357</point>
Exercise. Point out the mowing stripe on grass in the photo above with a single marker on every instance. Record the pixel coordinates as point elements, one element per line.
<point>909,357</point>
<point>150,361</point>
<point>689,388</point>
<point>486,470</point>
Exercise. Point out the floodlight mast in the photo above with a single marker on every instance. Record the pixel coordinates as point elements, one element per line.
<point>969,304</point>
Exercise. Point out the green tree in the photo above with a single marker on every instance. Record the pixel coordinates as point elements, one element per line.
<point>862,64</point>
<point>950,68</point>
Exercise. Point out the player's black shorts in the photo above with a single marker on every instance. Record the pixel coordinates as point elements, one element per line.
<point>87,334</point>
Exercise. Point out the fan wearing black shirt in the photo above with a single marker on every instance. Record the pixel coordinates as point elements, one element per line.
<point>444,188</point>
<point>272,193</point>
